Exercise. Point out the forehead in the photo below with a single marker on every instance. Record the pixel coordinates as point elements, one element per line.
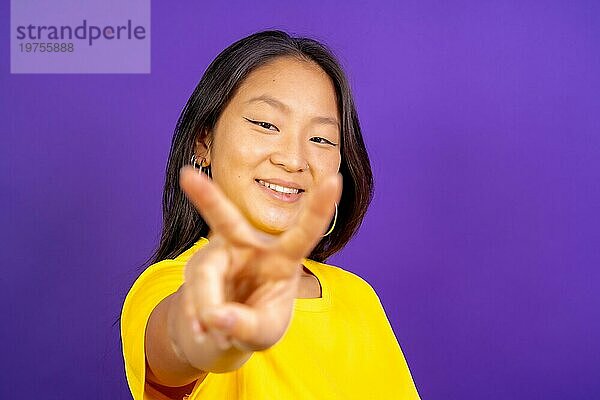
<point>301,85</point>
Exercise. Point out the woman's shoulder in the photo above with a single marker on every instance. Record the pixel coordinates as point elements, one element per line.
<point>160,279</point>
<point>341,278</point>
<point>170,266</point>
<point>183,257</point>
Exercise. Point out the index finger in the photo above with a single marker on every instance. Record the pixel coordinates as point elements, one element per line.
<point>218,211</point>
<point>297,242</point>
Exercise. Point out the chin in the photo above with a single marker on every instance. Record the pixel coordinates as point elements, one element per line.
<point>266,216</point>
<point>274,222</point>
<point>272,228</point>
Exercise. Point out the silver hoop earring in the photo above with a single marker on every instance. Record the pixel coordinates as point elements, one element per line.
<point>334,221</point>
<point>206,170</point>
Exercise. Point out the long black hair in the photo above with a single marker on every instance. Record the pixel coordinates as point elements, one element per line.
<point>182,224</point>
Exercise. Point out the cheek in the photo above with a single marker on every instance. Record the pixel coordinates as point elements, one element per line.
<point>338,162</point>
<point>236,156</point>
<point>326,163</point>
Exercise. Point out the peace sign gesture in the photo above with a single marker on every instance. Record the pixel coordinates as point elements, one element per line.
<point>239,289</point>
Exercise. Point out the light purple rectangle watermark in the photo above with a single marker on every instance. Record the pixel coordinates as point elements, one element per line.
<point>73,36</point>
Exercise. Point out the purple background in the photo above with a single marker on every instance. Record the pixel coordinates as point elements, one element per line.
<point>482,120</point>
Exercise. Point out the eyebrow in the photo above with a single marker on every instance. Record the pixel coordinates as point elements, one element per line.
<point>273,102</point>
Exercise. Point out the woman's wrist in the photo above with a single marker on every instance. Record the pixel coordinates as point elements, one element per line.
<point>173,331</point>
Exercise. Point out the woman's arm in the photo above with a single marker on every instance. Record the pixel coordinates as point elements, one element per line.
<point>168,368</point>
<point>238,291</point>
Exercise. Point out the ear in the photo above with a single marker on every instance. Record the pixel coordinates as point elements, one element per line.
<point>202,146</point>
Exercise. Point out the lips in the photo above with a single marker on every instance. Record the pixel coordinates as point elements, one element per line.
<point>292,189</point>
<point>281,190</point>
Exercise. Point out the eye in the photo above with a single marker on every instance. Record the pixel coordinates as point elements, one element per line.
<point>322,140</point>
<point>262,124</point>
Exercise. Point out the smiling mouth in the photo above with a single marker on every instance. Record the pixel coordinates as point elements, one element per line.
<point>278,188</point>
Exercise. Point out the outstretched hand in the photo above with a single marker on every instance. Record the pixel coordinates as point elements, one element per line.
<point>240,287</point>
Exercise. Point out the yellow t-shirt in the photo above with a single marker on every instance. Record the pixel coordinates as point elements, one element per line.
<point>338,346</point>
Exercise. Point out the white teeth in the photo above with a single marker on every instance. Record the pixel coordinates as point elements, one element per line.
<point>277,188</point>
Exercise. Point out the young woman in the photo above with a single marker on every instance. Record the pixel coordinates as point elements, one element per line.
<point>237,303</point>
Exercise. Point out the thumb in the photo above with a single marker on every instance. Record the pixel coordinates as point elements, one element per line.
<point>234,321</point>
<point>240,325</point>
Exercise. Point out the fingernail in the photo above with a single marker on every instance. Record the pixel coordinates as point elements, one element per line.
<point>221,341</point>
<point>225,321</point>
<point>222,320</point>
<point>197,331</point>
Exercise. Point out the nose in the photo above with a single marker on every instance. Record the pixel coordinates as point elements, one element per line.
<point>290,154</point>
